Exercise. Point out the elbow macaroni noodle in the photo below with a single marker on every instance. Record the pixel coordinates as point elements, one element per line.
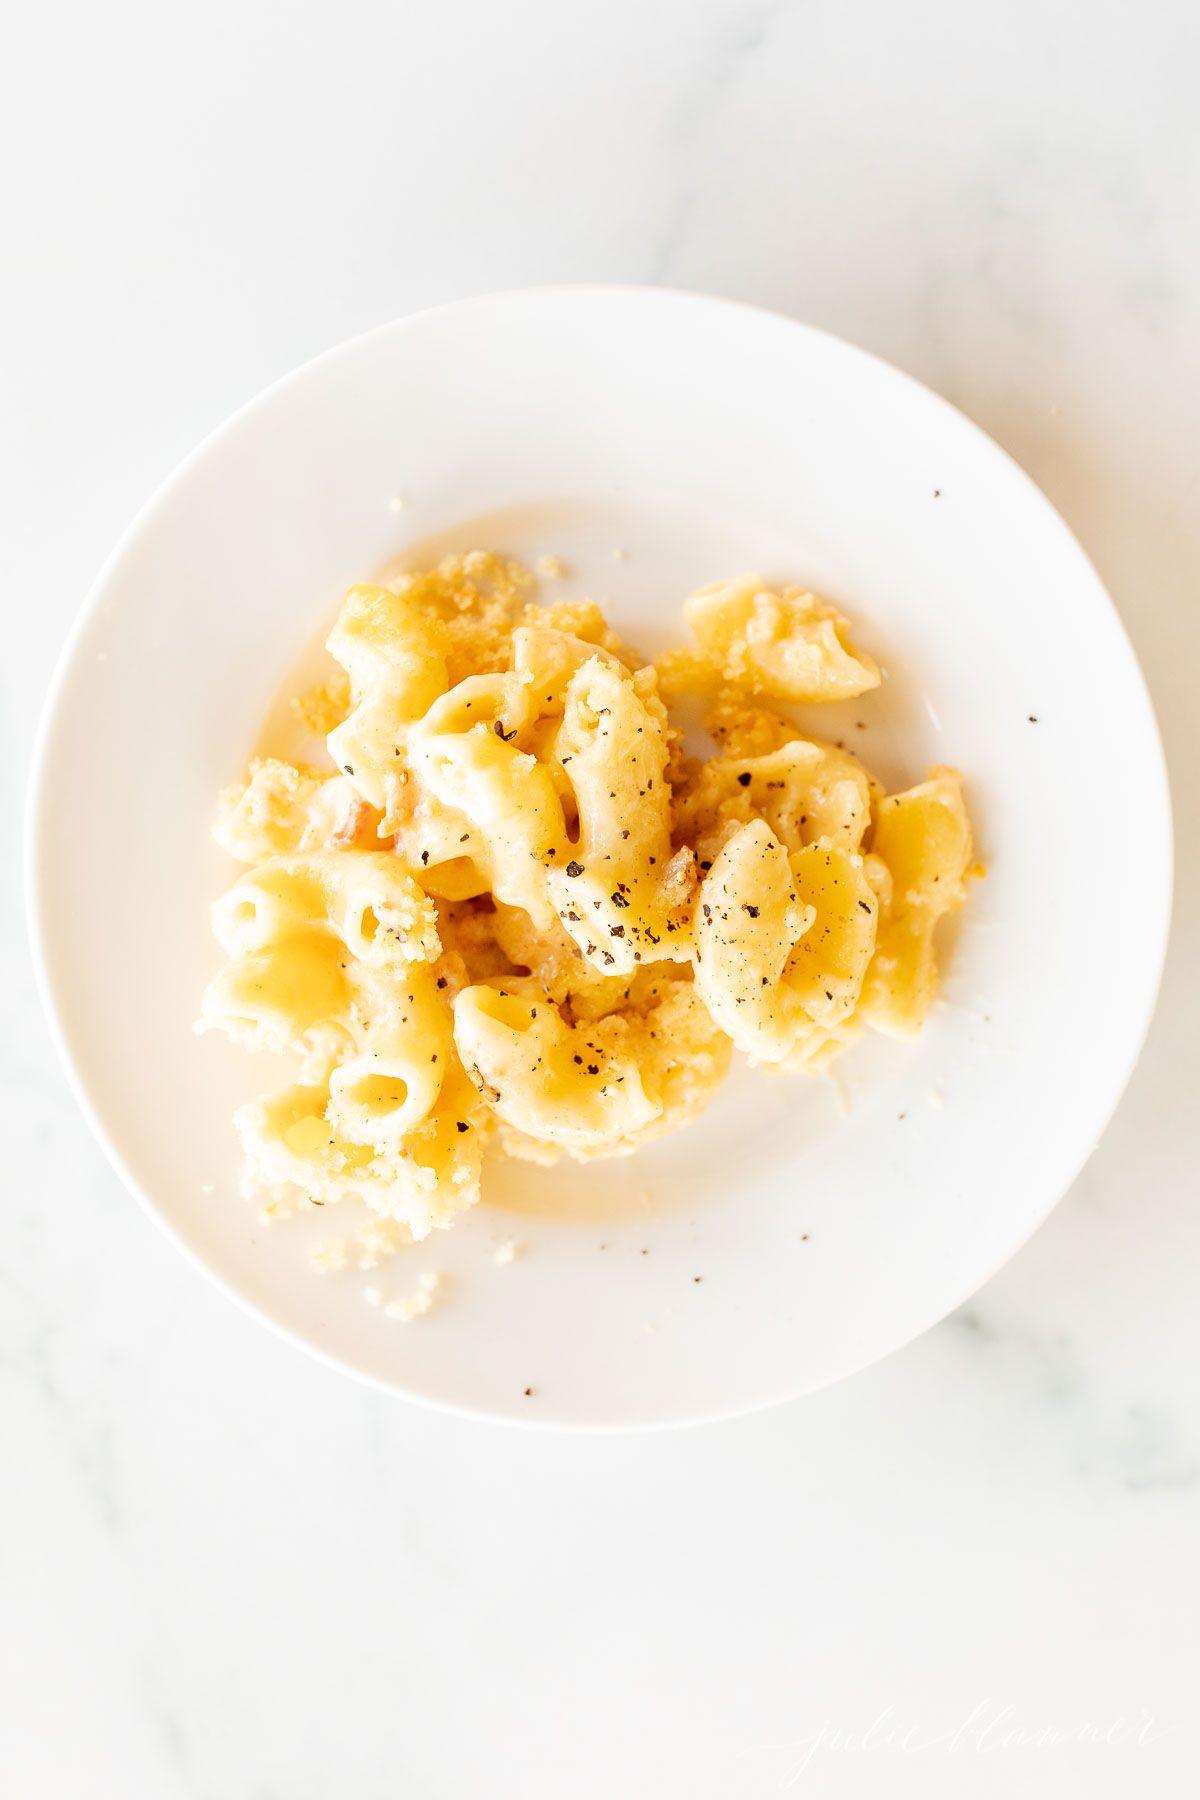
<point>518,912</point>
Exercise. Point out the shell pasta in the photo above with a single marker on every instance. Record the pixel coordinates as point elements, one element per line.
<point>513,911</point>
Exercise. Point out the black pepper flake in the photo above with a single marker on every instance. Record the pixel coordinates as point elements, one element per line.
<point>577,1059</point>
<point>618,899</point>
<point>593,1068</point>
<point>706,865</point>
<point>1033,718</point>
<point>610,958</point>
<point>616,931</point>
<point>347,768</point>
<point>424,856</point>
<point>866,908</point>
<point>465,836</point>
<point>744,778</point>
<point>462,1125</point>
<point>697,1278</point>
<point>574,868</point>
<point>528,1392</point>
<point>504,736</point>
<point>441,981</point>
<point>752,910</point>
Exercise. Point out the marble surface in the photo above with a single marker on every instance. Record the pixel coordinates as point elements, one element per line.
<point>228,1572</point>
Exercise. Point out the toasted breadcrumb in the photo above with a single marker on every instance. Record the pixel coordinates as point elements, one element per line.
<point>323,707</point>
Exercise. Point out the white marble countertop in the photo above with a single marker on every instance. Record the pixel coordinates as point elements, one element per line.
<point>227,1573</point>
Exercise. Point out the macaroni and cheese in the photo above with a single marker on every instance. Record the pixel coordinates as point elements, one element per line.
<point>516,912</point>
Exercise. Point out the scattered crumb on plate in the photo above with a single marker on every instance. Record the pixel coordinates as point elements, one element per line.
<point>417,1304</point>
<point>327,1256</point>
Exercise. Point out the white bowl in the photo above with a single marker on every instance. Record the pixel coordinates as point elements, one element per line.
<point>702,439</point>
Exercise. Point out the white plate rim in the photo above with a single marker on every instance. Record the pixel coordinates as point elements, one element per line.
<point>35,816</point>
